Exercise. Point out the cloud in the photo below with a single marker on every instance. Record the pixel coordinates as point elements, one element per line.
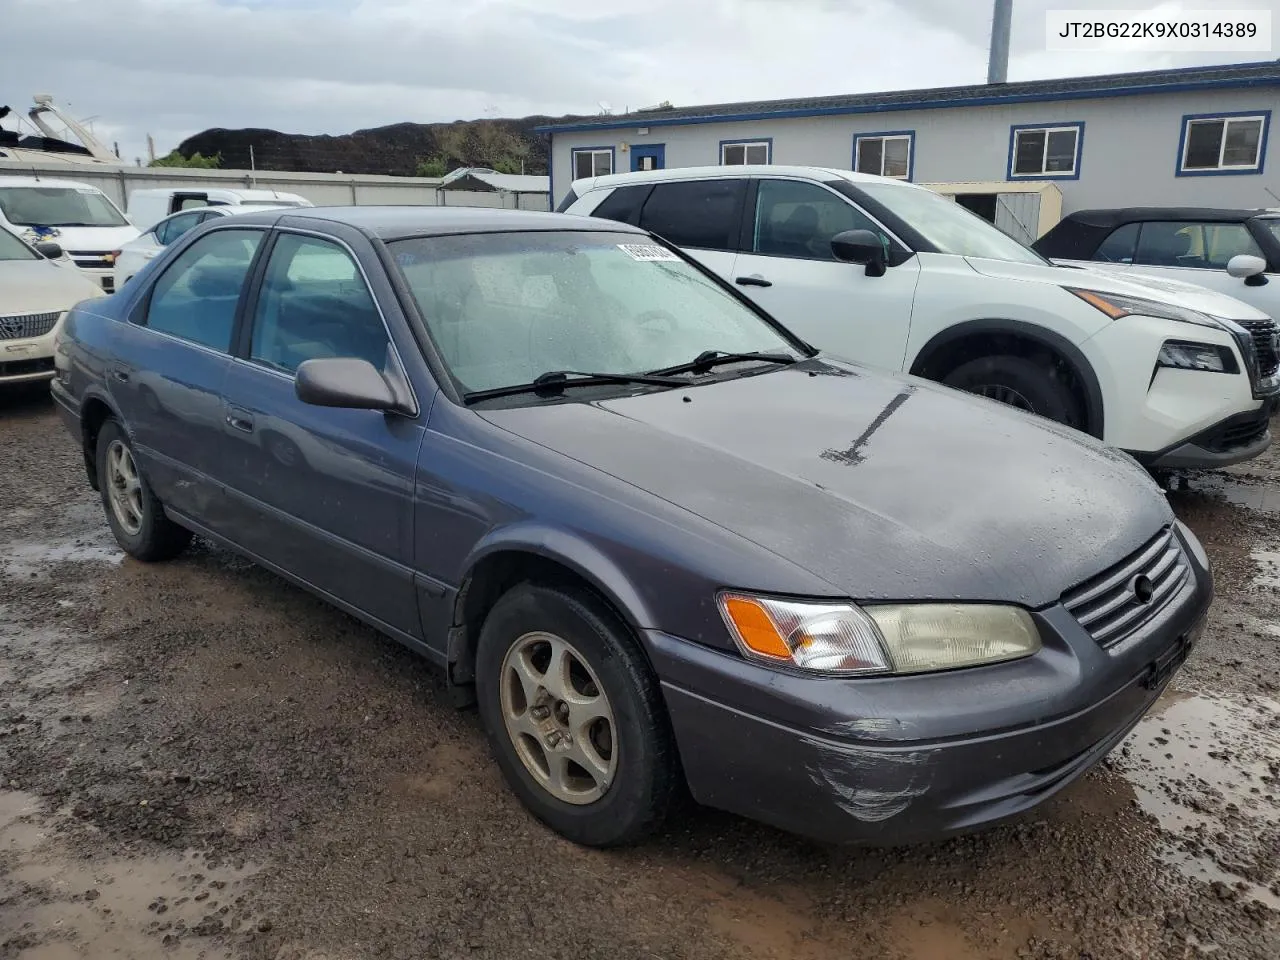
<point>173,67</point>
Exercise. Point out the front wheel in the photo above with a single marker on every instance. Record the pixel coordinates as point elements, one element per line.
<point>575,716</point>
<point>1021,383</point>
<point>136,517</point>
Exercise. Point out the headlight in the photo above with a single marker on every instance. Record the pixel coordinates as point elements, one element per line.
<point>1184,355</point>
<point>1116,305</point>
<point>847,640</point>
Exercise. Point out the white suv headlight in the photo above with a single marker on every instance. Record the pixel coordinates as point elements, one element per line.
<point>845,639</point>
<point>1117,305</point>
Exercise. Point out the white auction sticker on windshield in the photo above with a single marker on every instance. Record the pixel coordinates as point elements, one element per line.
<point>647,252</point>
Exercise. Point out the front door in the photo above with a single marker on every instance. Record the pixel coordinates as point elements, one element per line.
<point>324,493</point>
<point>650,156</point>
<point>788,268</point>
<point>169,364</point>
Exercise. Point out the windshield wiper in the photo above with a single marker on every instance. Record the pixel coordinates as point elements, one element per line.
<point>713,358</point>
<point>555,381</point>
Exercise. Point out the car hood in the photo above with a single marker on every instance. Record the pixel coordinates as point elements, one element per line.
<point>1161,289</point>
<point>38,286</point>
<point>886,487</point>
<point>82,239</point>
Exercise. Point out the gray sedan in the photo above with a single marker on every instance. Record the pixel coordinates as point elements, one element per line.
<point>661,541</point>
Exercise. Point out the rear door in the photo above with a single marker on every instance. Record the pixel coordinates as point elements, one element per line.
<point>170,362</point>
<point>702,217</point>
<point>788,268</point>
<point>325,494</point>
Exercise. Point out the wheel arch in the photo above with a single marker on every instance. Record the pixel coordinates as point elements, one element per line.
<point>975,338</point>
<point>95,410</point>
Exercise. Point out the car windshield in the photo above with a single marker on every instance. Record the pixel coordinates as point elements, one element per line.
<point>11,248</point>
<point>59,207</point>
<point>505,308</point>
<point>947,225</point>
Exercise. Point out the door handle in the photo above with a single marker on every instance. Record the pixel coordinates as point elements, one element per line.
<point>755,280</point>
<point>240,421</point>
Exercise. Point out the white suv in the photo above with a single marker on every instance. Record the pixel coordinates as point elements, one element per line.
<point>895,276</point>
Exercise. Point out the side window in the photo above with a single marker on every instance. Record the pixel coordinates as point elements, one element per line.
<point>1119,245</point>
<point>703,214</point>
<point>196,296</point>
<point>171,230</point>
<point>188,201</point>
<point>313,304</point>
<point>1202,245</point>
<point>623,204</point>
<point>798,219</point>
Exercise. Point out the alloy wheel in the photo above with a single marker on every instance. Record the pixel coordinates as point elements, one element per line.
<point>124,488</point>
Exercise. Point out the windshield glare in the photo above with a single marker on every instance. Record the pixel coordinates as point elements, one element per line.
<point>505,308</point>
<point>11,248</point>
<point>947,225</point>
<point>59,207</point>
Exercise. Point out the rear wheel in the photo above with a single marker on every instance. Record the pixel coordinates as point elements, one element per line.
<point>1034,387</point>
<point>136,517</point>
<point>575,716</point>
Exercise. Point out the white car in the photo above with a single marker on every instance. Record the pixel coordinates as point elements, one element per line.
<point>135,254</point>
<point>78,217</point>
<point>35,294</point>
<point>148,205</point>
<point>895,276</point>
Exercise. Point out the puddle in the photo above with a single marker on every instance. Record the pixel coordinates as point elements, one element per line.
<point>1261,497</point>
<point>1208,770</point>
<point>32,559</point>
<point>55,904</point>
<point>1268,562</point>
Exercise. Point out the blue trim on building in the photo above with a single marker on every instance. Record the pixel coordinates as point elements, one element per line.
<point>911,148</point>
<point>551,173</point>
<point>724,143</point>
<point>1262,144</point>
<point>1047,175</point>
<point>573,160</point>
<point>1059,96</point>
<point>640,150</point>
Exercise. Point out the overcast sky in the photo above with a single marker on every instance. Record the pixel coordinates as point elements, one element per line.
<point>174,67</point>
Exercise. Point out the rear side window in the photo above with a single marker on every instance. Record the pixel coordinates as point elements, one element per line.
<point>1198,245</point>
<point>624,204</point>
<point>196,297</point>
<point>313,304</point>
<point>1119,245</point>
<point>172,229</point>
<point>704,214</point>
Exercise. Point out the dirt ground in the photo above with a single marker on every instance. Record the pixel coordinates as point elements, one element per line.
<point>199,761</point>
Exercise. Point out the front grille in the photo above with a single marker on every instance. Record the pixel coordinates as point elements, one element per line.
<point>26,325</point>
<point>1109,607</point>
<point>1263,333</point>
<point>1240,434</point>
<point>91,259</point>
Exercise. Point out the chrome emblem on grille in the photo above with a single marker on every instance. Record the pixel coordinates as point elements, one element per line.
<point>10,328</point>
<point>1142,588</point>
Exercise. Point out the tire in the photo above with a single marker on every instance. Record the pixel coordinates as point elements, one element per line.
<point>1020,383</point>
<point>638,792</point>
<point>137,518</point>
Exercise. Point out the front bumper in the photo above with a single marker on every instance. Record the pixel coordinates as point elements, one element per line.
<point>905,759</point>
<point>27,361</point>
<point>1232,440</point>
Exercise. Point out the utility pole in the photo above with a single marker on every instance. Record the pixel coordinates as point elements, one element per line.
<point>253,168</point>
<point>151,148</point>
<point>1001,24</point>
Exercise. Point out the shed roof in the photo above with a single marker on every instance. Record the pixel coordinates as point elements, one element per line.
<point>481,178</point>
<point>1263,74</point>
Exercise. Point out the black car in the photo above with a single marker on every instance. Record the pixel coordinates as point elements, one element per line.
<point>663,541</point>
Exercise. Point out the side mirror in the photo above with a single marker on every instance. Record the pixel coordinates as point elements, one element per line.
<point>1246,267</point>
<point>343,382</point>
<point>861,246</point>
<point>49,250</point>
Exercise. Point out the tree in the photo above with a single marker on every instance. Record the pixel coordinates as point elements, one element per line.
<point>432,167</point>
<point>174,159</point>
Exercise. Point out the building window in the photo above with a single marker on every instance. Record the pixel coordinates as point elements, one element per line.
<point>738,152</point>
<point>1223,144</point>
<point>592,162</point>
<point>885,154</point>
<point>1046,151</point>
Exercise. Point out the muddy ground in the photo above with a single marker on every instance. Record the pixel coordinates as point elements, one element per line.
<point>198,760</point>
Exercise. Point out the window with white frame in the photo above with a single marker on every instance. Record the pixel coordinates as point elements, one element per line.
<point>1222,143</point>
<point>885,155</point>
<point>738,154</point>
<point>1046,151</point>
<point>592,162</point>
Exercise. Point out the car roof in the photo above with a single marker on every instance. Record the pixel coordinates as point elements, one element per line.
<point>45,182</point>
<point>738,170</point>
<point>399,222</point>
<point>1122,215</point>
